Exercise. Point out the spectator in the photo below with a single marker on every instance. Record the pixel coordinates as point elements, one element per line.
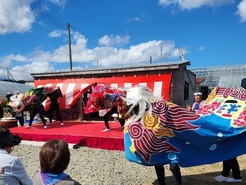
<point>198,101</point>
<point>54,158</point>
<point>12,170</point>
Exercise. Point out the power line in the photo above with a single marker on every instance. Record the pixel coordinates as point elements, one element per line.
<point>94,43</point>
<point>36,8</point>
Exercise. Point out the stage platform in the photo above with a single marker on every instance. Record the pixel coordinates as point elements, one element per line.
<point>84,133</point>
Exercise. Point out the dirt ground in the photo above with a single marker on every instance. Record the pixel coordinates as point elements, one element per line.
<point>204,175</point>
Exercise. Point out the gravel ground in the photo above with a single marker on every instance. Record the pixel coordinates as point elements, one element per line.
<point>103,167</point>
<point>92,166</point>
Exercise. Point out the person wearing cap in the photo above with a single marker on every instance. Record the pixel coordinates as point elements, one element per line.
<point>12,170</point>
<point>198,101</point>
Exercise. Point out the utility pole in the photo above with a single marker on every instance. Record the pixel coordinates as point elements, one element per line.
<point>181,55</point>
<point>161,55</point>
<point>9,74</point>
<point>69,44</point>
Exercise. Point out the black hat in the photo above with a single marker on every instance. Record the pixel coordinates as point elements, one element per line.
<point>8,139</point>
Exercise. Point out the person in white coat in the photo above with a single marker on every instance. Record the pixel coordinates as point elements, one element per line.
<point>12,171</point>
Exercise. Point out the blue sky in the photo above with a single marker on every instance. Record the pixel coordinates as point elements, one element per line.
<point>33,33</point>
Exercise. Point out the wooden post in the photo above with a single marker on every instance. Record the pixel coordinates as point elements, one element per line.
<point>69,44</point>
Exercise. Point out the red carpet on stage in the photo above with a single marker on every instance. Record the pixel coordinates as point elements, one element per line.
<point>84,133</point>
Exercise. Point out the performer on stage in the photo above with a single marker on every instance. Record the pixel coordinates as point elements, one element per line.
<point>109,113</point>
<point>20,115</point>
<point>55,106</point>
<point>38,110</point>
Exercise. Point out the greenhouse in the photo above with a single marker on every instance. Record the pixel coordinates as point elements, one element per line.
<point>10,87</point>
<point>225,76</point>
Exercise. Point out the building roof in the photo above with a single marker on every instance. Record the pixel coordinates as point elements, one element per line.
<point>231,81</point>
<point>213,74</point>
<point>11,87</point>
<point>199,80</point>
<point>111,71</point>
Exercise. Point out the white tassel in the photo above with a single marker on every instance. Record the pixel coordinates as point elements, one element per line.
<point>142,97</point>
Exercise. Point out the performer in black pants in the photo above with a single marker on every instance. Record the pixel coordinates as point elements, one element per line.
<point>39,110</point>
<point>109,113</point>
<point>54,106</point>
<point>228,165</point>
<point>20,118</point>
<point>174,168</point>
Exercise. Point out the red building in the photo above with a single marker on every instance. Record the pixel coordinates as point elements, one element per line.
<point>172,81</point>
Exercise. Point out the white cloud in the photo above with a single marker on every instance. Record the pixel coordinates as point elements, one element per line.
<point>23,72</point>
<point>17,57</point>
<point>168,2</point>
<point>114,40</point>
<point>6,64</point>
<point>15,17</point>
<point>135,19</point>
<point>138,54</point>
<point>202,47</point>
<point>242,10</point>
<point>141,17</point>
<point>41,61</point>
<point>57,33</point>
<point>41,24</point>
<point>191,4</point>
<point>35,66</point>
<point>60,3</point>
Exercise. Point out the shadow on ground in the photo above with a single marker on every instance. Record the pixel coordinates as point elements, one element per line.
<point>201,179</point>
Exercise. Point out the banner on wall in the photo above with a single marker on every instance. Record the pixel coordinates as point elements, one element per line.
<point>72,89</point>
